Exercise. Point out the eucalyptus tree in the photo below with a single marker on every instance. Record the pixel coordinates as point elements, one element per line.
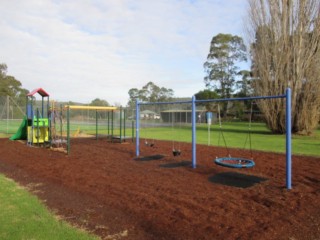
<point>226,51</point>
<point>11,87</point>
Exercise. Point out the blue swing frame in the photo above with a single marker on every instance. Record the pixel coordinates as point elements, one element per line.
<point>193,102</point>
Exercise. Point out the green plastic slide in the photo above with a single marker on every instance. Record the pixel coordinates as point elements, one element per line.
<point>21,134</point>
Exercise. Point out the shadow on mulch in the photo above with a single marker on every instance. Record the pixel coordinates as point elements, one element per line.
<point>176,164</point>
<point>149,158</point>
<point>235,179</point>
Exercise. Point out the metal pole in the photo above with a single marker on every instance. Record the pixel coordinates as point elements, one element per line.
<point>288,138</point>
<point>193,120</point>
<point>112,126</point>
<point>60,120</point>
<point>38,132</point>
<point>132,131</point>
<point>49,120</point>
<point>42,107</point>
<point>108,124</point>
<point>137,128</point>
<point>209,134</point>
<point>68,130</point>
<point>8,113</point>
<point>120,124</point>
<point>124,123</point>
<point>96,124</point>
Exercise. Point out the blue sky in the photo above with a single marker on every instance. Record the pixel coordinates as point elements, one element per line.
<point>81,50</point>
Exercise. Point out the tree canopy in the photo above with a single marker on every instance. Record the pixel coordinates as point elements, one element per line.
<point>205,95</point>
<point>9,86</point>
<point>226,51</point>
<point>150,93</point>
<point>99,102</point>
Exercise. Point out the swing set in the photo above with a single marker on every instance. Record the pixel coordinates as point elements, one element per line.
<point>150,142</point>
<point>234,162</point>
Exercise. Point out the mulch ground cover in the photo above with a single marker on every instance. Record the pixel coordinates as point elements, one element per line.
<point>104,188</point>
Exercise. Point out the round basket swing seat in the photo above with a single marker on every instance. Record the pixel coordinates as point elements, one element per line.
<point>232,162</point>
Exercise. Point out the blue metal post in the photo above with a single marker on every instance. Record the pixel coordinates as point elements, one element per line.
<point>97,124</point>
<point>120,124</point>
<point>68,130</point>
<point>288,138</point>
<point>193,120</point>
<point>137,128</point>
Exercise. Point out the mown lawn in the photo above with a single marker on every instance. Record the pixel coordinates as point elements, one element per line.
<point>236,135</point>
<point>22,216</point>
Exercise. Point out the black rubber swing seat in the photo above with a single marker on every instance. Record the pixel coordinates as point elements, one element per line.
<point>232,162</point>
<point>176,152</point>
<point>149,144</point>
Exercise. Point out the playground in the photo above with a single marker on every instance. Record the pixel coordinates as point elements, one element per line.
<point>104,188</point>
<point>116,184</point>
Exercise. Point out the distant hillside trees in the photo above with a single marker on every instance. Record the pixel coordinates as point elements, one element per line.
<point>99,102</point>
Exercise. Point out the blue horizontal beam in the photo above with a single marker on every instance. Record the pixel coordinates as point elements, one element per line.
<point>213,100</point>
<point>239,99</point>
<point>162,103</point>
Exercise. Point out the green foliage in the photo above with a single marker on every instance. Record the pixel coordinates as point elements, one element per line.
<point>9,86</point>
<point>99,102</point>
<point>245,84</point>
<point>225,52</point>
<point>24,217</point>
<point>150,93</point>
<point>205,95</point>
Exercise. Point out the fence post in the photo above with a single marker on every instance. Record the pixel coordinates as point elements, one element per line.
<point>193,120</point>
<point>68,130</point>
<point>137,128</point>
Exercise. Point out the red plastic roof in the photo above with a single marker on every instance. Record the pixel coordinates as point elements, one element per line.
<point>42,92</point>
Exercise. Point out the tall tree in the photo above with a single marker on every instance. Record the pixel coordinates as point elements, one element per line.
<point>285,52</point>
<point>150,93</point>
<point>226,51</point>
<point>9,86</point>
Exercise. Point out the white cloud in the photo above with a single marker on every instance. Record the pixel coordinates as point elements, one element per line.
<point>82,50</point>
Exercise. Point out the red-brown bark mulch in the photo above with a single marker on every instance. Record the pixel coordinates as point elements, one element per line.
<point>104,188</point>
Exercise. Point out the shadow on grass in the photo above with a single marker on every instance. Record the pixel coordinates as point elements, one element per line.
<point>235,179</point>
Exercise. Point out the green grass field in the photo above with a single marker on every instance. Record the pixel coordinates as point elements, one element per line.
<point>235,134</point>
<point>22,216</point>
